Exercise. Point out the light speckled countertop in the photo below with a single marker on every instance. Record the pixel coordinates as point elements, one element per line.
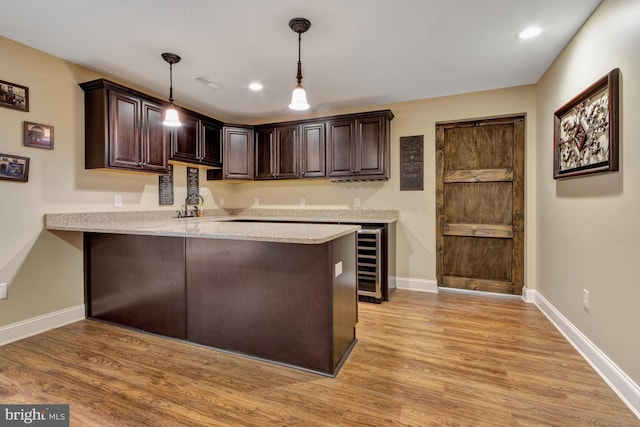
<point>269,225</point>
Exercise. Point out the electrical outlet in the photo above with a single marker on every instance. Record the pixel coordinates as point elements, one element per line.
<point>256,202</point>
<point>221,202</point>
<point>302,201</point>
<point>118,201</point>
<point>356,202</point>
<point>3,291</point>
<point>585,299</point>
<point>204,191</point>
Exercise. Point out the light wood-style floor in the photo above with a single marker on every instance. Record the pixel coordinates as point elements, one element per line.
<point>421,360</point>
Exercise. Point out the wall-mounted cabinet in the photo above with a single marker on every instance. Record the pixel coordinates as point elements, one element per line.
<point>358,146</point>
<point>238,153</point>
<point>276,152</point>
<point>313,150</point>
<point>123,129</point>
<point>198,141</point>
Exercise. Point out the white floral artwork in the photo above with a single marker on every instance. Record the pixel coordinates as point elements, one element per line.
<point>584,133</point>
<point>586,130</point>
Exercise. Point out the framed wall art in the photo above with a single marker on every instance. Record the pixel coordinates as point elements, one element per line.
<point>38,136</point>
<point>14,96</point>
<point>14,168</point>
<point>586,130</point>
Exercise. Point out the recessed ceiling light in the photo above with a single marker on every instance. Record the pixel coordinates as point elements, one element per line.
<point>529,33</point>
<point>255,86</point>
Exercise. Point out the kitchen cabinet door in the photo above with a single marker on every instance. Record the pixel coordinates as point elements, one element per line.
<point>312,150</point>
<point>237,152</point>
<point>276,152</point>
<point>197,142</point>
<point>210,143</point>
<point>154,138</point>
<point>341,148</point>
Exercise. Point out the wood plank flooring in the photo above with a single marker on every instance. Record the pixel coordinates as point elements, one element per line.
<point>421,360</point>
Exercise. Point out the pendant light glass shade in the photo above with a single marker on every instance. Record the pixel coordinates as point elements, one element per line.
<point>299,96</point>
<point>299,99</point>
<point>171,117</point>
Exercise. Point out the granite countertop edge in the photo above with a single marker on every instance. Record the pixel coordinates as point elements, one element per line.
<point>268,225</point>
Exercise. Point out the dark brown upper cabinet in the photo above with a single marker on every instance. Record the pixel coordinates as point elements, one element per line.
<point>313,150</point>
<point>238,153</point>
<point>276,152</point>
<point>123,129</point>
<point>198,141</point>
<point>358,146</point>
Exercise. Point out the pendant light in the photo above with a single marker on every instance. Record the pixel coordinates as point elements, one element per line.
<point>171,118</point>
<point>299,96</point>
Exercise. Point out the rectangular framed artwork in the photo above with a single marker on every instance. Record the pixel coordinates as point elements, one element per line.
<point>38,136</point>
<point>14,96</point>
<point>14,168</point>
<point>586,130</point>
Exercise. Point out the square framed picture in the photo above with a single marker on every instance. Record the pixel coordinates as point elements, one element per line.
<point>14,96</point>
<point>38,136</point>
<point>586,130</point>
<point>14,168</point>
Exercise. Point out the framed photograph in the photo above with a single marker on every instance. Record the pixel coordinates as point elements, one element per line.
<point>38,136</point>
<point>14,96</point>
<point>14,168</point>
<point>586,130</point>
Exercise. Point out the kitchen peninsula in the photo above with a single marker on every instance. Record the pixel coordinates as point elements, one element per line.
<point>279,291</point>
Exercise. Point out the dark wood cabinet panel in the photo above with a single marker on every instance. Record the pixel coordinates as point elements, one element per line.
<point>263,153</point>
<point>154,137</point>
<point>341,147</point>
<point>313,150</point>
<point>370,148</point>
<point>358,147</point>
<point>237,153</point>
<point>123,129</point>
<point>198,141</point>
<point>286,152</point>
<point>211,143</point>
<point>276,152</point>
<point>137,281</point>
<point>184,139</point>
<point>277,301</point>
<point>124,144</point>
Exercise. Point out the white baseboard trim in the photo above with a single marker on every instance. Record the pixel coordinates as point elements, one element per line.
<point>620,383</point>
<point>528,295</point>
<point>420,285</point>
<point>35,325</point>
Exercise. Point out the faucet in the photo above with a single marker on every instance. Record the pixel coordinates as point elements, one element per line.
<point>185,213</point>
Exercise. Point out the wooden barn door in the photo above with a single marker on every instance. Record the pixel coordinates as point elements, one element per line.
<point>480,205</point>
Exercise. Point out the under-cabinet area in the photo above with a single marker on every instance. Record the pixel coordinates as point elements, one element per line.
<point>290,300</point>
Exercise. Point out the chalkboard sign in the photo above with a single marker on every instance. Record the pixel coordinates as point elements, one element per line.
<point>193,185</point>
<point>165,187</point>
<point>412,163</point>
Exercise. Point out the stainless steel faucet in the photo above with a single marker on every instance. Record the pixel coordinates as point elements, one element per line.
<point>195,212</point>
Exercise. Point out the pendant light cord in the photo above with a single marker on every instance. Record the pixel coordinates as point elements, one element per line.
<point>299,76</point>
<point>171,83</point>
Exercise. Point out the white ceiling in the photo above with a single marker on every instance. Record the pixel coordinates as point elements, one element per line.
<point>357,52</point>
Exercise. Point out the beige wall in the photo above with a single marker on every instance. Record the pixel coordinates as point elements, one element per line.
<point>44,269</point>
<point>588,230</point>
